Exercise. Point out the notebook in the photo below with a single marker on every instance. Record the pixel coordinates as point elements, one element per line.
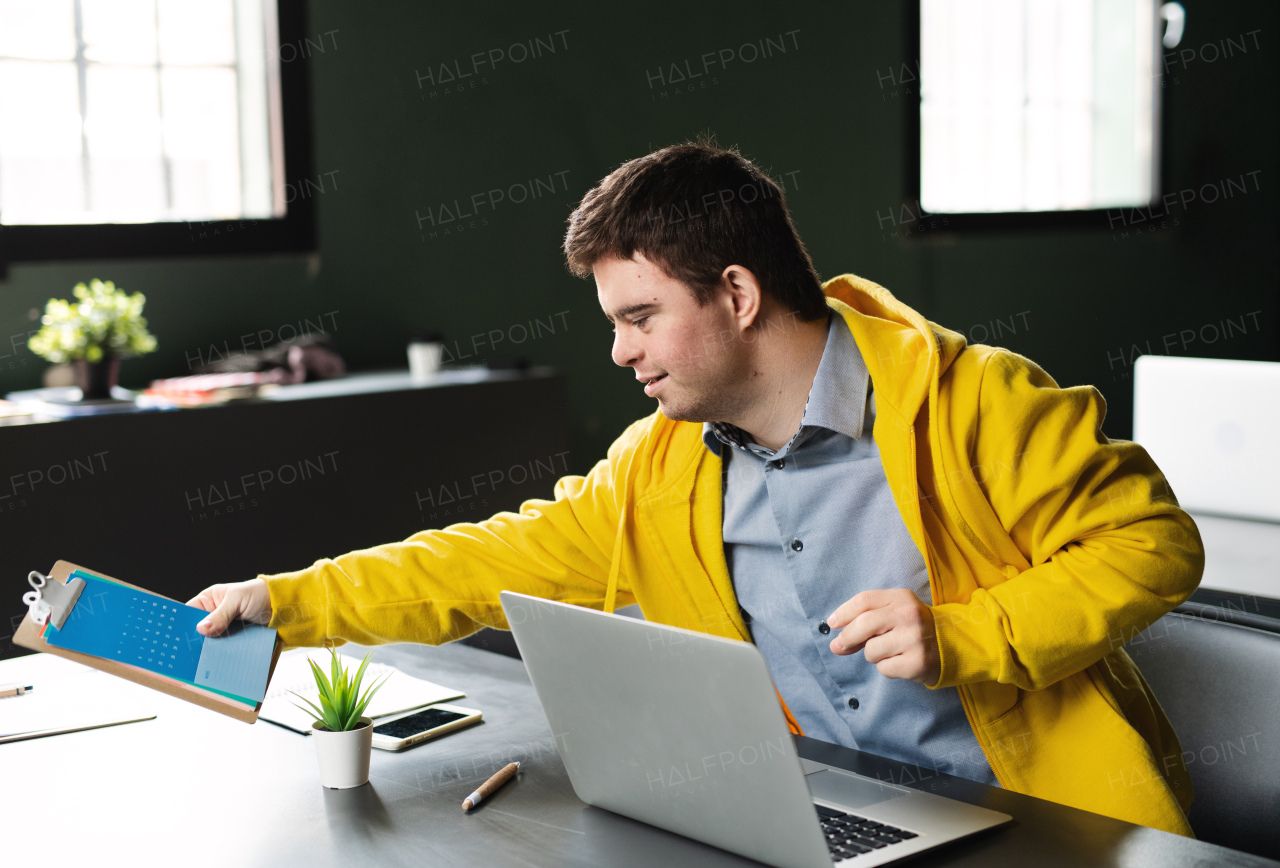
<point>401,692</point>
<point>67,698</point>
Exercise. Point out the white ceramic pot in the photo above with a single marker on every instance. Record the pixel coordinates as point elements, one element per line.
<point>344,756</point>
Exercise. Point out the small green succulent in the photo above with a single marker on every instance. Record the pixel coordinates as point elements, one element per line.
<point>104,322</point>
<point>341,704</point>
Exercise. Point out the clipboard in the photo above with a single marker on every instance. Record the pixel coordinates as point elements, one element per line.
<point>63,600</point>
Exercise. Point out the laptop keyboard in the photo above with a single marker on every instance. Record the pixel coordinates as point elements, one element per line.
<point>849,835</point>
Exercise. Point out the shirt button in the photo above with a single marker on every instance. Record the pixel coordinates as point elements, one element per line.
<point>796,545</point>
<point>824,628</point>
<point>780,463</point>
<point>853,702</point>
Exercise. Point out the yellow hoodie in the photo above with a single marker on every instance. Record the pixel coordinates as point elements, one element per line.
<point>1048,547</point>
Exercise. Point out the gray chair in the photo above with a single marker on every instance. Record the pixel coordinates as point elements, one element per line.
<point>1216,672</point>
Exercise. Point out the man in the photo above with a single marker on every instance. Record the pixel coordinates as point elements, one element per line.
<point>936,549</point>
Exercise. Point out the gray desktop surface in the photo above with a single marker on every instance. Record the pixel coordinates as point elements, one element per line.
<point>194,788</point>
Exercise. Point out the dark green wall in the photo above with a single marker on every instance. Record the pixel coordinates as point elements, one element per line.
<point>826,111</point>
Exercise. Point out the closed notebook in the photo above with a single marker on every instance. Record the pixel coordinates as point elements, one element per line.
<point>401,692</point>
<point>67,698</point>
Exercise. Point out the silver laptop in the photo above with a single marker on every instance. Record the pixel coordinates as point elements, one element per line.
<point>1210,425</point>
<point>683,730</point>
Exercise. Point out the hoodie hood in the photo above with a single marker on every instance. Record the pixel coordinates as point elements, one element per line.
<point>911,352</point>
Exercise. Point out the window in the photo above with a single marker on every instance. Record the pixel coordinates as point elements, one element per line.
<point>1038,105</point>
<point>129,127</point>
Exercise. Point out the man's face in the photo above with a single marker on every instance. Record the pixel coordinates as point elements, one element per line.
<point>686,355</point>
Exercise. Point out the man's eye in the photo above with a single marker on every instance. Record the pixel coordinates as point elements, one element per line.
<point>638,323</point>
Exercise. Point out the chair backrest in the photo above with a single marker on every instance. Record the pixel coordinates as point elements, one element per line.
<point>1216,672</point>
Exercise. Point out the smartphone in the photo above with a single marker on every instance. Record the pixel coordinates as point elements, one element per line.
<point>415,727</point>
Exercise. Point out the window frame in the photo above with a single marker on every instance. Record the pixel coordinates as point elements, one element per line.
<point>294,232</point>
<point>1000,221</point>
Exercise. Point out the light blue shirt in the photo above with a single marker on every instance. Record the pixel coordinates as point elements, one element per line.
<point>805,529</point>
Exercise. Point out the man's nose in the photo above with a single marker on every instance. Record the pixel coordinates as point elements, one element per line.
<point>625,353</point>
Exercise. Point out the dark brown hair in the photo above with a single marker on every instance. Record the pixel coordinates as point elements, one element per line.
<point>695,209</point>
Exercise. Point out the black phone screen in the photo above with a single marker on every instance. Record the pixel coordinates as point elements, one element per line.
<point>428,718</point>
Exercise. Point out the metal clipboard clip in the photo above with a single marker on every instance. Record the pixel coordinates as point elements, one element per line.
<point>51,600</point>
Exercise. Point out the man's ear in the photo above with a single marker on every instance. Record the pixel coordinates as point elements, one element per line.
<point>744,294</point>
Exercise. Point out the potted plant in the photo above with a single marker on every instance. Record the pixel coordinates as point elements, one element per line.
<point>104,326</point>
<point>343,736</point>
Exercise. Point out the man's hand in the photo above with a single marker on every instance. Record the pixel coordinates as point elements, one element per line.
<point>894,630</point>
<point>249,601</point>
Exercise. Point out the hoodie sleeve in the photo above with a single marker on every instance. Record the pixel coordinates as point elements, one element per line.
<point>1106,550</point>
<point>441,585</point>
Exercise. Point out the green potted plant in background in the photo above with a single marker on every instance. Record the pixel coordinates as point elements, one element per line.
<point>94,333</point>
<point>343,736</point>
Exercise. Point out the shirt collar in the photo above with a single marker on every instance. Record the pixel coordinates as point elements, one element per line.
<point>837,399</point>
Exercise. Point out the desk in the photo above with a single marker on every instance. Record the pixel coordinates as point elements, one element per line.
<point>194,788</point>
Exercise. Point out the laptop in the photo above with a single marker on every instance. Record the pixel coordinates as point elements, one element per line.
<point>1210,426</point>
<point>682,730</point>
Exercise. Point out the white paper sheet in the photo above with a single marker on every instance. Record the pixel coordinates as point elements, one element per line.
<point>401,692</point>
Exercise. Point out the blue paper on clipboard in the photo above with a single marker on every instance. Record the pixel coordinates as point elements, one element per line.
<point>119,623</point>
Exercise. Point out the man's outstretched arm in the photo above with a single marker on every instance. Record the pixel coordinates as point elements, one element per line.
<point>441,585</point>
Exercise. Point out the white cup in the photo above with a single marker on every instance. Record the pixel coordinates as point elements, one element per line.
<point>424,360</point>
